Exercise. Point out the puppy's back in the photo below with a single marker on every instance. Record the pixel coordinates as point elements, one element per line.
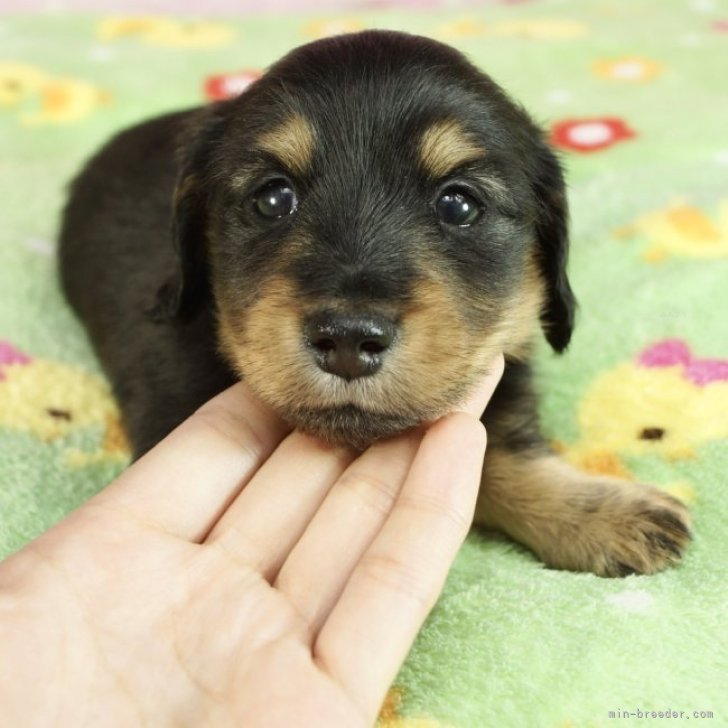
<point>118,210</point>
<point>115,251</point>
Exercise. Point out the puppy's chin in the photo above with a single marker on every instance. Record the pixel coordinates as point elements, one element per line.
<point>350,425</point>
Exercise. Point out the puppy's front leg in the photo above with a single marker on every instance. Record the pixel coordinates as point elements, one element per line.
<point>573,520</point>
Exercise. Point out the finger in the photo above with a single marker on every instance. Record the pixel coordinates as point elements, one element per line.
<point>392,589</point>
<point>184,484</point>
<point>354,510</point>
<point>268,517</point>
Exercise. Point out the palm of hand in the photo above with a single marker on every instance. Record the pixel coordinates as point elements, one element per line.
<point>134,626</point>
<point>231,578</point>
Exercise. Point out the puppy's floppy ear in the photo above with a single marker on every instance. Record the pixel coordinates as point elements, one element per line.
<point>187,288</point>
<point>552,239</point>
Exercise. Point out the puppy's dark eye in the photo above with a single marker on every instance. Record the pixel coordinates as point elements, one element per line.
<point>456,206</point>
<point>276,199</point>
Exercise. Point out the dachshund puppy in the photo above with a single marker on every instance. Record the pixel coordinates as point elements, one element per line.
<point>357,235</point>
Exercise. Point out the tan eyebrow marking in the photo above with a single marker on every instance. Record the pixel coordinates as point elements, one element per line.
<point>445,146</point>
<point>292,142</point>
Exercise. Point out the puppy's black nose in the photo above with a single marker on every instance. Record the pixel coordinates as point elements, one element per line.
<point>349,346</point>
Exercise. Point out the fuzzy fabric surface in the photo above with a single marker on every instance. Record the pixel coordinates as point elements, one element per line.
<point>634,94</point>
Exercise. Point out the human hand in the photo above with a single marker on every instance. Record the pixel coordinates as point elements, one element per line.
<point>239,575</point>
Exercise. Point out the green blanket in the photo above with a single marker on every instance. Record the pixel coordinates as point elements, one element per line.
<point>635,95</point>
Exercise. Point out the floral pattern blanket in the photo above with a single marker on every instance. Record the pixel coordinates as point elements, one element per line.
<point>634,95</point>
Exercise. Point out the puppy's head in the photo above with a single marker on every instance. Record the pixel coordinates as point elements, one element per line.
<point>374,220</point>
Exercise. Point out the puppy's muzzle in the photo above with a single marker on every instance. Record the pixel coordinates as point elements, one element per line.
<point>349,345</point>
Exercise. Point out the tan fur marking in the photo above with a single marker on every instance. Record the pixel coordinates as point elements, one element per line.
<point>437,359</point>
<point>292,143</point>
<point>280,369</point>
<point>519,324</point>
<point>574,520</point>
<point>445,146</point>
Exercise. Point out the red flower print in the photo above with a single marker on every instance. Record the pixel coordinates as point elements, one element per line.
<point>229,85</point>
<point>589,135</point>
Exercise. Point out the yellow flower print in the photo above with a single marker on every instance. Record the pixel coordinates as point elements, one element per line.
<point>630,69</point>
<point>682,230</point>
<point>531,29</point>
<point>64,101</point>
<point>52,400</point>
<point>334,26</point>
<point>167,32</point>
<point>39,98</point>
<point>666,402</point>
<point>128,27</point>
<point>464,29</point>
<point>390,716</point>
<point>190,35</point>
<point>18,81</point>
<point>542,29</point>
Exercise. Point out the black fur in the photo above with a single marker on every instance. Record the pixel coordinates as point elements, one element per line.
<point>148,268</point>
<point>115,252</point>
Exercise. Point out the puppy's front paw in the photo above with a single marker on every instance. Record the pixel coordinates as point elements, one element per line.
<point>619,528</point>
<point>572,520</point>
